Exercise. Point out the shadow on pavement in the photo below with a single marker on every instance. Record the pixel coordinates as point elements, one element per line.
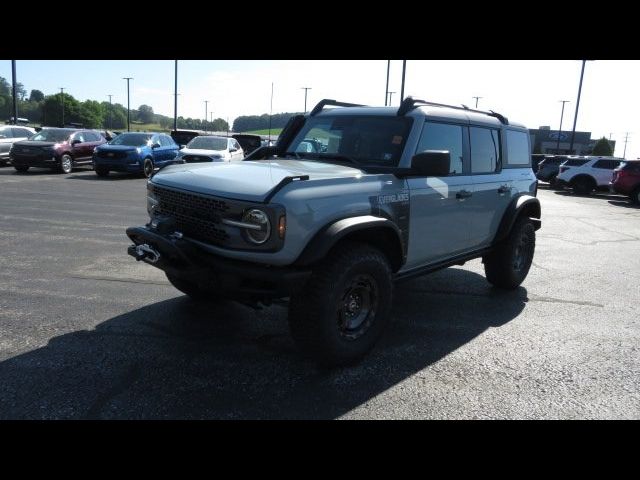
<point>178,359</point>
<point>603,195</point>
<point>622,203</point>
<point>111,177</point>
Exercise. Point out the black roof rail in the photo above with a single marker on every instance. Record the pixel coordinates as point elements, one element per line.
<point>410,103</point>
<point>322,103</point>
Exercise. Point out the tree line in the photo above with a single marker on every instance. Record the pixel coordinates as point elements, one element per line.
<point>47,110</point>
<point>247,123</point>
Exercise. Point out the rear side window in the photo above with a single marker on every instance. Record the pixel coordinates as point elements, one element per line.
<point>6,133</point>
<point>575,162</point>
<point>485,150</point>
<point>517,148</point>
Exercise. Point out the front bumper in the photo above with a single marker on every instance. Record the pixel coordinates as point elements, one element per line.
<point>120,165</point>
<point>181,257</point>
<point>41,160</point>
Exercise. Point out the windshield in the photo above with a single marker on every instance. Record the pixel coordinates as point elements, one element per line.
<point>208,143</point>
<point>131,139</point>
<point>367,140</point>
<point>51,135</point>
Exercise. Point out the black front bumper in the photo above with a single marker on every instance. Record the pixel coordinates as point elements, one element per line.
<point>233,278</point>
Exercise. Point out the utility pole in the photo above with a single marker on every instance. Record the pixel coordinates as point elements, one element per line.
<point>62,98</point>
<point>626,138</point>
<point>386,90</point>
<point>227,126</point>
<point>305,97</point>
<point>560,130</point>
<point>575,119</point>
<point>14,90</point>
<point>128,104</point>
<point>477,98</point>
<point>206,102</point>
<point>404,69</point>
<point>175,96</point>
<point>390,97</point>
<point>211,122</point>
<point>110,113</point>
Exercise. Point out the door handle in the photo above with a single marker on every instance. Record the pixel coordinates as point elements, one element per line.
<point>462,194</point>
<point>504,189</point>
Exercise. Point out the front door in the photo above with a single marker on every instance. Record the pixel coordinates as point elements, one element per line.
<point>440,217</point>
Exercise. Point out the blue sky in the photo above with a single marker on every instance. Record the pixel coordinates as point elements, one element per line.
<point>527,91</point>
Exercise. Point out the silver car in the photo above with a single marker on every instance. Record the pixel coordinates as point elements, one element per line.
<point>10,134</point>
<point>209,148</point>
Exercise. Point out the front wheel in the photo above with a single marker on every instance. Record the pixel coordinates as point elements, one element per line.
<point>582,186</point>
<point>344,307</point>
<point>102,172</point>
<point>147,167</point>
<point>635,196</point>
<point>508,264</point>
<point>66,163</point>
<point>21,168</point>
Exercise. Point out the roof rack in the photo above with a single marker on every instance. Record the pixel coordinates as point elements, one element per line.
<point>322,103</point>
<point>410,103</point>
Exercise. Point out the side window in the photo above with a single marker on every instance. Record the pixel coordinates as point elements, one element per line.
<point>607,164</point>
<point>163,141</point>
<point>6,133</point>
<point>170,142</point>
<point>443,136</point>
<point>91,137</point>
<point>20,132</point>
<point>79,136</point>
<point>485,150</point>
<point>236,145</point>
<point>517,148</point>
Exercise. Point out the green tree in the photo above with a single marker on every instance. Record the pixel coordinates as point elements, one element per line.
<point>145,114</point>
<point>5,87</point>
<point>602,147</point>
<point>36,96</point>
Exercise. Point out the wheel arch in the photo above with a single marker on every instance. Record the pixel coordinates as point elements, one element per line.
<point>378,232</point>
<point>521,206</point>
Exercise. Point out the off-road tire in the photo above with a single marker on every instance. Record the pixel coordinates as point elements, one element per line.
<point>508,264</point>
<point>344,306</point>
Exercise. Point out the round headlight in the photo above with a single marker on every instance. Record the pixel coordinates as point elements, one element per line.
<point>259,219</point>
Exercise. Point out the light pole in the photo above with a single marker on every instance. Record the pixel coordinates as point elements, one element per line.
<point>270,111</point>
<point>305,97</point>
<point>404,70</point>
<point>62,100</point>
<point>175,96</point>
<point>575,118</point>
<point>211,121</point>
<point>14,90</point>
<point>560,130</point>
<point>386,89</point>
<point>206,103</point>
<point>477,98</point>
<point>390,97</point>
<point>110,113</point>
<point>128,104</point>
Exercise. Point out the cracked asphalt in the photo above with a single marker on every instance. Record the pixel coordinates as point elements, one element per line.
<point>88,333</point>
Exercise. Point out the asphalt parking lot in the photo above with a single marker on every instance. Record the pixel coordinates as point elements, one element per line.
<point>88,333</point>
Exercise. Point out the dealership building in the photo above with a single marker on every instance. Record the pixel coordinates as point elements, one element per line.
<point>545,140</point>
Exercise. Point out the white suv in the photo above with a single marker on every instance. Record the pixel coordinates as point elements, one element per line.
<point>585,174</point>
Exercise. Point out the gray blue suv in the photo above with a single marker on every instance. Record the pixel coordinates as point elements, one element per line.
<point>349,202</point>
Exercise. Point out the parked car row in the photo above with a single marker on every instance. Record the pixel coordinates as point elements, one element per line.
<point>585,174</point>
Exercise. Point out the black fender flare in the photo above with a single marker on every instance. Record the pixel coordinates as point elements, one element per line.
<point>523,204</point>
<point>328,236</point>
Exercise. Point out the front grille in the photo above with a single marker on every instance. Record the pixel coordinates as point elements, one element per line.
<point>196,216</point>
<point>111,154</point>
<point>195,159</point>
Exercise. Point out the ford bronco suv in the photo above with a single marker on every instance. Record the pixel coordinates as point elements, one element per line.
<point>392,193</point>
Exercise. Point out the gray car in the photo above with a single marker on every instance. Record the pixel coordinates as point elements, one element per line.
<point>10,134</point>
<point>390,194</point>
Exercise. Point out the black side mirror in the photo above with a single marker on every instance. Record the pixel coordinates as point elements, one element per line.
<point>182,146</point>
<point>231,150</point>
<point>75,142</point>
<point>155,145</point>
<point>431,163</point>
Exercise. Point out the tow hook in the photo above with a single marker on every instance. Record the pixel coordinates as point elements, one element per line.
<point>144,251</point>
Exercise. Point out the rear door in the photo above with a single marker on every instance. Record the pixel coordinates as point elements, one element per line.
<point>603,170</point>
<point>439,206</point>
<point>79,149</point>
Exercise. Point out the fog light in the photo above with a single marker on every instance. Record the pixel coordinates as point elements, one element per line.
<point>282,226</point>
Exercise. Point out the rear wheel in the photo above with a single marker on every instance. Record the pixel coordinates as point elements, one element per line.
<point>21,168</point>
<point>147,167</point>
<point>635,196</point>
<point>66,163</point>
<point>582,185</point>
<point>191,289</point>
<point>102,172</point>
<point>508,264</point>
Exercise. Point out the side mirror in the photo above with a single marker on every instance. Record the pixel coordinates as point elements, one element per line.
<point>155,145</point>
<point>431,163</point>
<point>231,150</point>
<point>75,142</point>
<point>182,146</point>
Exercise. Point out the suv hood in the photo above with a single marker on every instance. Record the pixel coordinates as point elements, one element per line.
<point>248,180</point>
<point>200,151</point>
<point>117,148</point>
